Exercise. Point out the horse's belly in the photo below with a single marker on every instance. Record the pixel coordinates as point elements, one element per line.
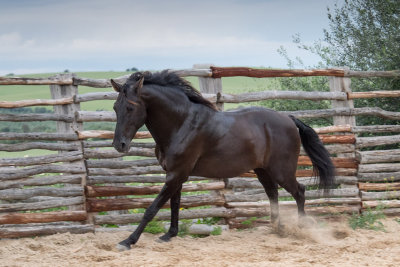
<point>220,168</point>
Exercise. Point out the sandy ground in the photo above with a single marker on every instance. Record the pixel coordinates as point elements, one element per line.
<point>324,244</point>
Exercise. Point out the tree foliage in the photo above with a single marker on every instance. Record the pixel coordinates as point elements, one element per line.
<point>363,35</point>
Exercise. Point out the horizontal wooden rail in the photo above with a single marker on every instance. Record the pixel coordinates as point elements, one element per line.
<point>45,229</point>
<point>338,162</point>
<point>166,215</point>
<point>44,217</point>
<point>308,203</point>
<point>126,171</point>
<point>333,129</point>
<point>36,102</point>
<point>39,136</point>
<point>219,72</point>
<point>379,167</point>
<point>96,96</point>
<point>52,158</point>
<point>108,143</point>
<point>379,156</point>
<point>108,134</point>
<point>322,113</point>
<point>373,94</point>
<point>22,194</point>
<point>259,194</point>
<point>113,164</point>
<point>377,141</point>
<point>108,153</point>
<point>395,203</point>
<point>338,139</point>
<point>10,173</point>
<point>105,191</point>
<point>378,186</point>
<point>370,74</point>
<point>36,117</point>
<point>45,180</point>
<point>306,181</point>
<point>376,129</point>
<point>310,173</point>
<point>365,195</point>
<point>293,95</point>
<point>379,177</point>
<point>35,81</point>
<point>39,145</point>
<point>41,205</point>
<point>101,179</point>
<point>97,205</point>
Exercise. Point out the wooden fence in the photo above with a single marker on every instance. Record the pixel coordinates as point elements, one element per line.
<point>88,180</point>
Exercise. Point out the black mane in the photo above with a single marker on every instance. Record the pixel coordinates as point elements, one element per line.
<point>168,78</point>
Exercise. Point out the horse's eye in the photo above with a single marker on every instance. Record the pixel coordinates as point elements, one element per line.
<point>129,109</point>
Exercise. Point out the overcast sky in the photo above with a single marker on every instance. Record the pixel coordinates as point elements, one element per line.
<point>83,35</point>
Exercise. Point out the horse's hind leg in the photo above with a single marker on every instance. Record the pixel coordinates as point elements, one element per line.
<point>271,188</point>
<point>297,191</point>
<point>174,228</point>
<point>284,173</point>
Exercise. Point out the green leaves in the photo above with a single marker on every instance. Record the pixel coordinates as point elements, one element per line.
<point>369,219</point>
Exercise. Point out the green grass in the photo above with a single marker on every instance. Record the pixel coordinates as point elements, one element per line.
<point>155,227</point>
<point>249,221</point>
<point>369,219</point>
<point>217,231</point>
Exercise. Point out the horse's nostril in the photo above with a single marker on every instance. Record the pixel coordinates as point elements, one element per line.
<point>123,145</point>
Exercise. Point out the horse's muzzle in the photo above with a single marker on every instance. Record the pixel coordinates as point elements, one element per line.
<point>122,145</point>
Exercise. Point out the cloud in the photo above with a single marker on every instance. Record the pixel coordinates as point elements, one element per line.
<point>151,34</point>
<point>14,39</point>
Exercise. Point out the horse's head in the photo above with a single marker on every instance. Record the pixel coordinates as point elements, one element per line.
<point>130,110</point>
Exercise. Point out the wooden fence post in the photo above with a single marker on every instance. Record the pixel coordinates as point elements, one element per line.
<point>62,91</point>
<point>342,84</point>
<point>210,85</point>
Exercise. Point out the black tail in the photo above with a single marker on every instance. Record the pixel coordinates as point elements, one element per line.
<point>322,163</point>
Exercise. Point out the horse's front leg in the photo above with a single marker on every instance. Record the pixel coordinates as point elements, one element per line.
<point>175,205</point>
<point>172,184</point>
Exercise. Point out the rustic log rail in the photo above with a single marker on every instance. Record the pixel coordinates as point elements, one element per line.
<point>87,172</point>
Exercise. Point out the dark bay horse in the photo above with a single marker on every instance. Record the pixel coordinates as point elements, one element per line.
<point>193,138</point>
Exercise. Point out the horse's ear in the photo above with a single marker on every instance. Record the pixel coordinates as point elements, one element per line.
<point>138,86</point>
<point>117,87</point>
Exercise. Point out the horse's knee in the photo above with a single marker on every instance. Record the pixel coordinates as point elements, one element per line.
<point>301,188</point>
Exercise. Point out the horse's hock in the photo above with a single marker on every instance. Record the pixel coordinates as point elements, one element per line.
<point>80,180</point>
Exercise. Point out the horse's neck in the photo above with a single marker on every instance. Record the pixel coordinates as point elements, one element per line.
<point>166,112</point>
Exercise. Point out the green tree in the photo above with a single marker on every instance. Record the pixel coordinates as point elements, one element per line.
<point>363,35</point>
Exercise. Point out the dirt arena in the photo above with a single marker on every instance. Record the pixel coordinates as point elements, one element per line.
<point>324,244</point>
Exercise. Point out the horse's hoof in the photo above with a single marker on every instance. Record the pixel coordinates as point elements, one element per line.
<point>164,238</point>
<point>123,246</point>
